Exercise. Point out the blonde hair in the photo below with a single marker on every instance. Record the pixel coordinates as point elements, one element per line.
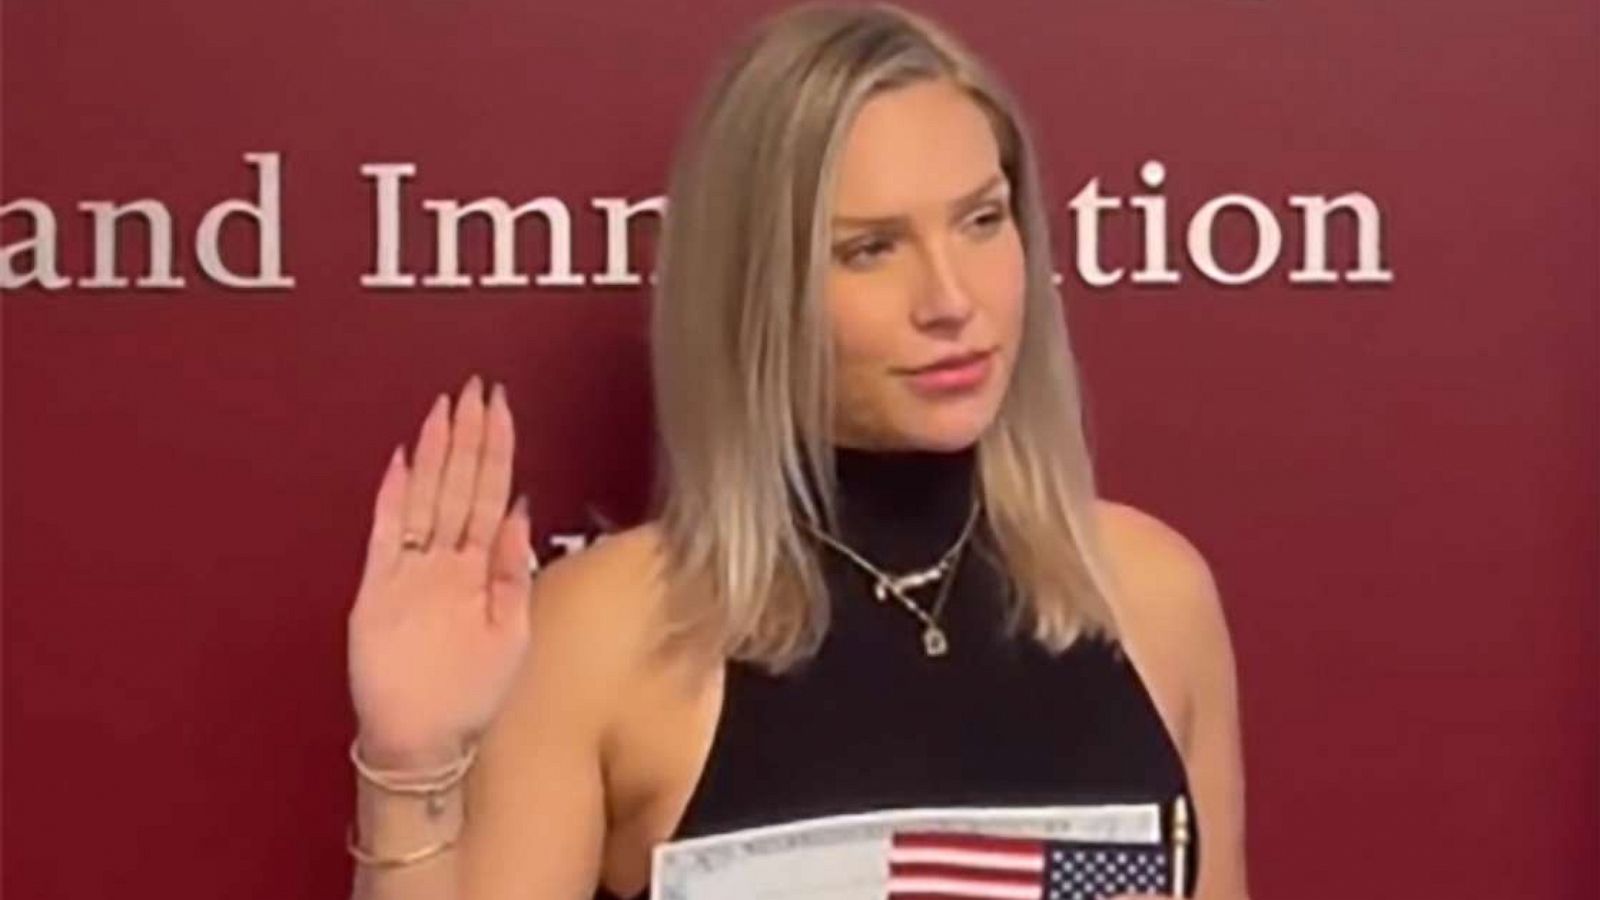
<point>741,356</point>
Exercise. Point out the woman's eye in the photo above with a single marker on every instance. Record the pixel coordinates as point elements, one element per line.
<point>989,219</point>
<point>864,252</point>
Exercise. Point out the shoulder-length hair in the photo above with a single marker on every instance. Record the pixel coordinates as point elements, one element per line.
<point>742,361</point>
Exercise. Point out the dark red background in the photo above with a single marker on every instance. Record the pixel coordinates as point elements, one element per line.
<point>1397,486</point>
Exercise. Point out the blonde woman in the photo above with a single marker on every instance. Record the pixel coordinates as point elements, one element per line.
<point>878,576</point>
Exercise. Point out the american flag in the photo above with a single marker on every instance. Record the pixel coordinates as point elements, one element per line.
<point>931,865</point>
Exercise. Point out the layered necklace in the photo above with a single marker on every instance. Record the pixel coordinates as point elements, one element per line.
<point>935,642</point>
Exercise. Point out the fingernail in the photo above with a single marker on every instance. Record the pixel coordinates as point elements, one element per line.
<point>521,506</point>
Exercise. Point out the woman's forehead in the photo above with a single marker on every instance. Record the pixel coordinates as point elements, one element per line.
<point>912,151</point>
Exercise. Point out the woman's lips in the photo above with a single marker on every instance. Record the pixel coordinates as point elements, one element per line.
<point>957,377</point>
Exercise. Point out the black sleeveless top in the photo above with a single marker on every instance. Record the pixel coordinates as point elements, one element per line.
<point>873,722</point>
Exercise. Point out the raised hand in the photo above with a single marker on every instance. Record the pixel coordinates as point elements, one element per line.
<point>440,622</point>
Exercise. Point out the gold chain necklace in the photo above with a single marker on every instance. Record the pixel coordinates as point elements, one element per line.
<point>935,642</point>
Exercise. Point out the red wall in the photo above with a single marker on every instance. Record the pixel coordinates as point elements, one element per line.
<point>1397,483</point>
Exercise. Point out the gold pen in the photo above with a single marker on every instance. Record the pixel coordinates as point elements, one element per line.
<point>1180,844</point>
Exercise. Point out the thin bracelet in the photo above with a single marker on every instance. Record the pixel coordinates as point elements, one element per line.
<point>368,858</point>
<point>425,783</point>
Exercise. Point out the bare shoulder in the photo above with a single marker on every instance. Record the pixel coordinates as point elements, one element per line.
<point>626,560</point>
<point>1170,606</point>
<point>1173,613</point>
<point>541,759</point>
<point>588,615</point>
<point>1158,565</point>
<point>601,615</point>
<point>641,702</point>
<point>599,606</point>
<point>1168,586</point>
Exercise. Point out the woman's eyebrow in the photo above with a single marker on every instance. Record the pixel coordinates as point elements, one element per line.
<point>957,206</point>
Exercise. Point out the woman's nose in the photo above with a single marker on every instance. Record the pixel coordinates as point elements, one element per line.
<point>941,296</point>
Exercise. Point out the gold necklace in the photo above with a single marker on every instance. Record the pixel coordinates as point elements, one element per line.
<point>935,642</point>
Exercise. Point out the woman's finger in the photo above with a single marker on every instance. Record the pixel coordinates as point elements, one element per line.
<point>383,543</point>
<point>494,474</point>
<point>461,466</point>
<point>511,569</point>
<point>422,489</point>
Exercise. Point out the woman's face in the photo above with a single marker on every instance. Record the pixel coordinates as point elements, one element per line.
<point>926,277</point>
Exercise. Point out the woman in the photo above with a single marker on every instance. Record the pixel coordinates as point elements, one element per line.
<point>878,576</point>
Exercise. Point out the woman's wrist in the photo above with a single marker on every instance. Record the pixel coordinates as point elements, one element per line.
<point>392,829</point>
<point>399,756</point>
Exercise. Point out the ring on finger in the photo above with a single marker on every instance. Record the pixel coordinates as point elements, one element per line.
<point>410,540</point>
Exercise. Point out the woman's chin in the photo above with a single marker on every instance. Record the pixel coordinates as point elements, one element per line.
<point>947,430</point>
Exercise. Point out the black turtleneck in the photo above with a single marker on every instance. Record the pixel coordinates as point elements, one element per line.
<point>901,509</point>
<point>873,722</point>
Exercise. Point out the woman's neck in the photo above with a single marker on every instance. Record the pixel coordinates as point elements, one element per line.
<point>899,507</point>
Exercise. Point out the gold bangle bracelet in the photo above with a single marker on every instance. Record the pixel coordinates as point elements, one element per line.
<point>423,783</point>
<point>367,858</point>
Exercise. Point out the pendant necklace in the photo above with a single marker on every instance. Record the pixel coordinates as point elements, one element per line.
<point>935,642</point>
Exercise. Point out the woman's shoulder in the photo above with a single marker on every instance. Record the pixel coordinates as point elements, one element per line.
<point>1156,555</point>
<point>1178,617</point>
<point>1164,578</point>
<point>1169,604</point>
<point>609,601</point>
<point>609,591</point>
<point>614,559</point>
<point>595,620</point>
<point>604,610</point>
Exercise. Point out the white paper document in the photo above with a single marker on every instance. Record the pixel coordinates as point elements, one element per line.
<point>877,855</point>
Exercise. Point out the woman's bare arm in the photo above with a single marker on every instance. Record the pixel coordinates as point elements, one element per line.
<point>534,804</point>
<point>537,811</point>
<point>1175,606</point>
<point>452,644</point>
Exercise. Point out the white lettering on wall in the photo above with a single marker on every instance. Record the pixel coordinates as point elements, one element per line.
<point>565,543</point>
<point>1269,239</point>
<point>39,246</point>
<point>268,213</point>
<point>1086,209</point>
<point>448,216</point>
<point>32,259</point>
<point>618,214</point>
<point>1153,208</point>
<point>158,223</point>
<point>387,263</point>
<point>1369,240</point>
